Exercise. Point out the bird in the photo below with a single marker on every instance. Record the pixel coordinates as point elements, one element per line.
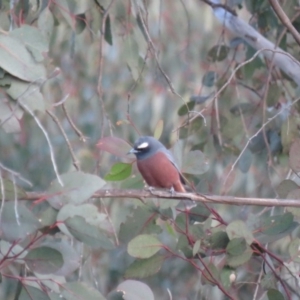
<point>157,165</point>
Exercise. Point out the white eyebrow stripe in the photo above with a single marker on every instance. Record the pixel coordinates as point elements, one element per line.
<point>143,145</point>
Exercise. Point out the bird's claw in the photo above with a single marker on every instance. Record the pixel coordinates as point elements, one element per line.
<point>172,191</point>
<point>150,189</point>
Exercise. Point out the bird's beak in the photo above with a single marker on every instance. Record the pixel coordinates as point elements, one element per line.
<point>132,151</point>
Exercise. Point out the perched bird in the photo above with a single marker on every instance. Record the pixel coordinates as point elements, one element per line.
<point>156,164</point>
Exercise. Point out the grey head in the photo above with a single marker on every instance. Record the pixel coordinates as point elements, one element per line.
<point>146,146</point>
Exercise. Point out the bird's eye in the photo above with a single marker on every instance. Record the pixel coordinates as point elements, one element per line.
<point>143,145</point>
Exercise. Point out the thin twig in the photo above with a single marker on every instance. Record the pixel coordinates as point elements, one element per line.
<point>111,223</point>
<point>77,131</point>
<point>253,136</point>
<point>74,159</point>
<point>285,20</point>
<point>38,122</point>
<point>16,174</point>
<point>232,76</point>
<point>150,42</point>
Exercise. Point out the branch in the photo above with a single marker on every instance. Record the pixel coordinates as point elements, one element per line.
<point>284,61</point>
<point>144,194</point>
<point>285,20</point>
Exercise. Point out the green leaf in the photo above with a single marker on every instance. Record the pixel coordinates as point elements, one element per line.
<point>140,25</point>
<point>236,246</point>
<point>133,289</point>
<point>184,246</point>
<point>196,247</point>
<point>12,249</point>
<point>255,64</point>
<point>78,187</point>
<point>44,260</point>
<point>182,223</point>
<point>226,276</point>
<point>90,214</point>
<point>144,246</point>
<point>158,129</point>
<point>195,163</point>
<point>268,281</point>
<point>238,260</point>
<point>237,229</point>
<point>46,23</point>
<point>71,257</point>
<point>80,23</point>
<point>33,39</point>
<point>274,295</point>
<point>80,291</point>
<point>17,221</point>
<point>11,190</point>
<point>294,194</point>
<point>142,268</point>
<point>199,213</point>
<point>209,79</point>
<point>119,171</point>
<point>219,240</point>
<point>26,93</point>
<point>47,215</point>
<point>186,108</point>
<point>140,221</point>
<point>88,234</point>
<point>218,53</point>
<point>107,33</point>
<point>285,187</point>
<point>196,231</point>
<point>29,292</point>
<point>113,295</point>
<point>17,61</point>
<point>274,225</point>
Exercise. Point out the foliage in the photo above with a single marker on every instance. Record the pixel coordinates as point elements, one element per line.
<point>80,81</point>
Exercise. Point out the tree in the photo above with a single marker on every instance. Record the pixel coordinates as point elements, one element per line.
<point>218,83</point>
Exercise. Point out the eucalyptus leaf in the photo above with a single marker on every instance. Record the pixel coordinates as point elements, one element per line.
<point>17,221</point>
<point>77,188</point>
<point>17,60</point>
<point>144,246</point>
<point>44,260</point>
<point>133,289</point>
<point>88,234</point>
<point>80,291</point>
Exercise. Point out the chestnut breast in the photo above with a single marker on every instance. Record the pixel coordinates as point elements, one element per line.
<point>159,171</point>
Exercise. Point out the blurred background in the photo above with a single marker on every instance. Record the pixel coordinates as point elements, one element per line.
<point>150,66</point>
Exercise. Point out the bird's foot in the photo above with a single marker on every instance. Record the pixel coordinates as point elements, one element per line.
<point>172,191</point>
<point>151,189</point>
